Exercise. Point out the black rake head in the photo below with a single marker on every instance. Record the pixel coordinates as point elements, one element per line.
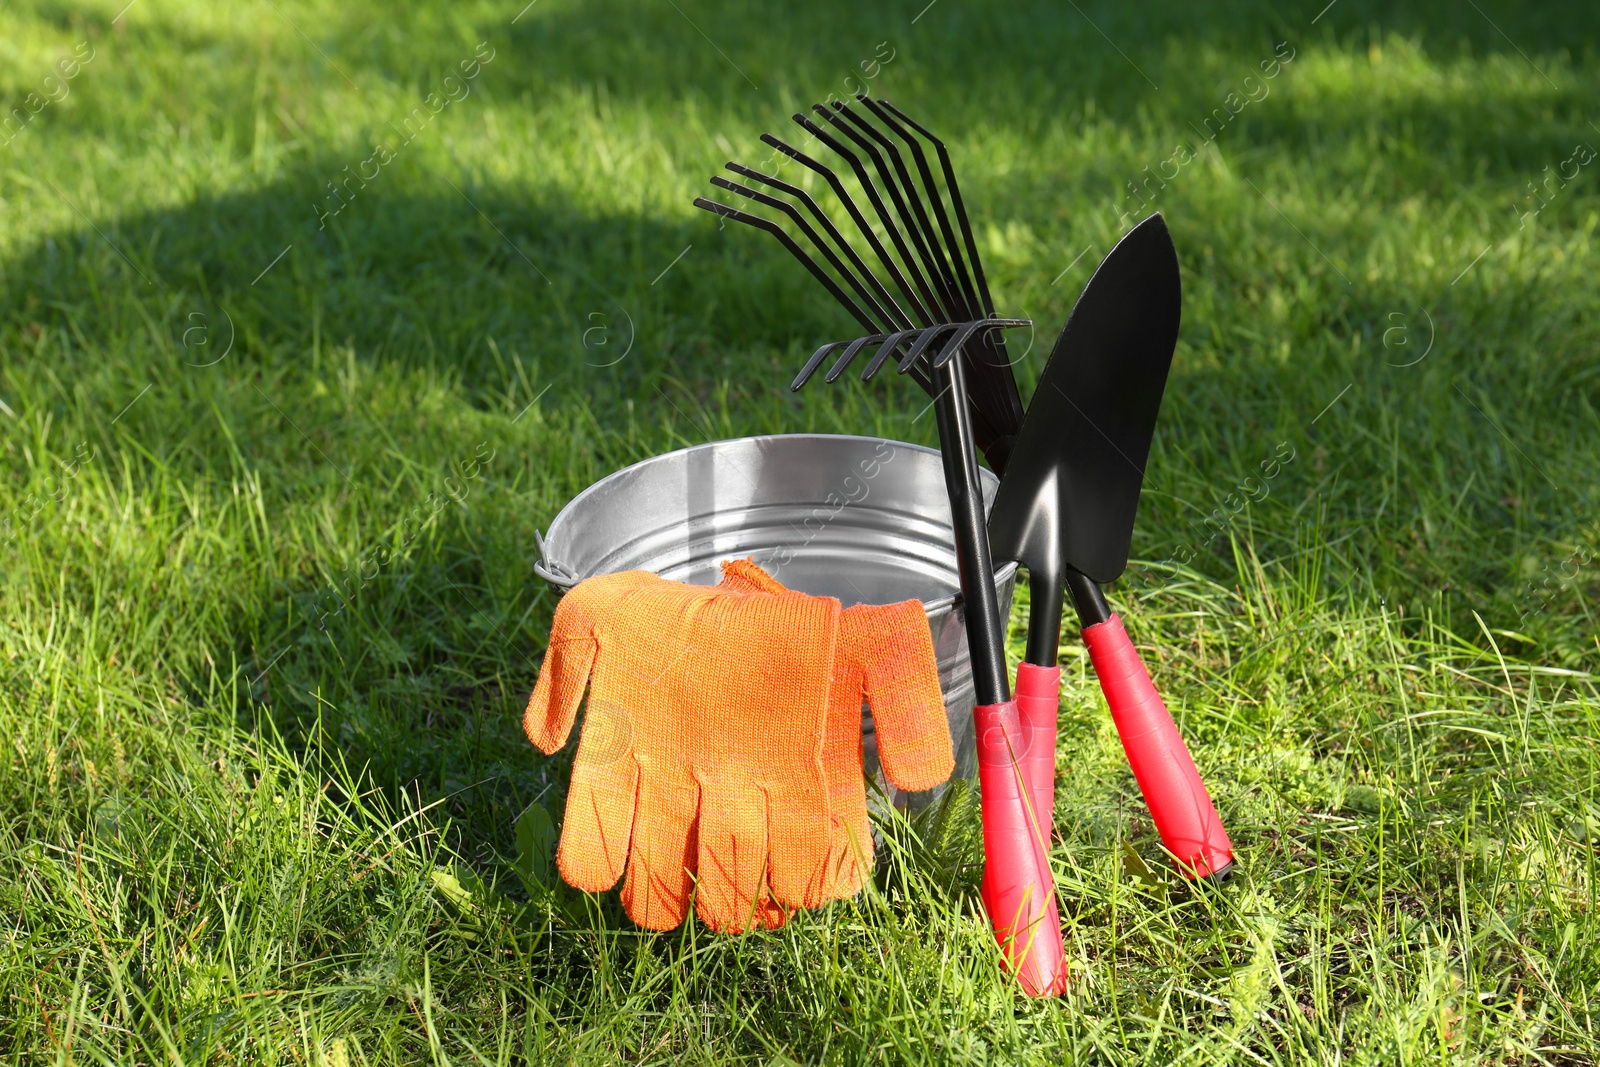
<point>905,266</point>
<point>919,340</point>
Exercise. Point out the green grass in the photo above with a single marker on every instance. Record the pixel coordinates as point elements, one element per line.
<point>226,827</point>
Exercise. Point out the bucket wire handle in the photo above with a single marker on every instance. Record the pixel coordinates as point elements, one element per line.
<point>548,569</point>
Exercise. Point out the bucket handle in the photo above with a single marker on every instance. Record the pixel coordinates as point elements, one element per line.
<point>552,571</point>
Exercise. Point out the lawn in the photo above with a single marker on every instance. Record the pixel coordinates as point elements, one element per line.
<point>313,313</point>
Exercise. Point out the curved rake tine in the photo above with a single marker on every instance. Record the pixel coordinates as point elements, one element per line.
<point>982,326</point>
<point>795,250</point>
<point>858,218</point>
<point>952,346</point>
<point>911,216</point>
<point>929,335</point>
<point>884,352</point>
<point>811,234</point>
<point>868,187</point>
<point>955,201</point>
<point>884,296</point>
<point>937,201</point>
<point>812,364</point>
<point>935,255</point>
<point>849,355</point>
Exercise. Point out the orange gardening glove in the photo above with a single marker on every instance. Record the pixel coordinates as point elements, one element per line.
<point>885,657</point>
<point>700,758</point>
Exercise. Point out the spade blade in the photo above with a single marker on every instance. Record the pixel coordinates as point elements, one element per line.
<point>1071,487</point>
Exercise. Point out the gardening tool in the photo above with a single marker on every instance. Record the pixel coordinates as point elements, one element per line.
<point>1066,508</point>
<point>1016,882</point>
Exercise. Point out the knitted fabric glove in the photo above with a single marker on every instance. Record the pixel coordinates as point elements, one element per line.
<point>885,657</point>
<point>700,756</point>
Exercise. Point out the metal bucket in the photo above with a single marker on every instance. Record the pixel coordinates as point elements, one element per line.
<point>862,519</point>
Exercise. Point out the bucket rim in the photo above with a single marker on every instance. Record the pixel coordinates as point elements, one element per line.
<point>557,575</point>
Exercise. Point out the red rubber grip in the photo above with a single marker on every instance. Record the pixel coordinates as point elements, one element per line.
<point>1038,698</point>
<point>1017,891</point>
<point>1184,815</point>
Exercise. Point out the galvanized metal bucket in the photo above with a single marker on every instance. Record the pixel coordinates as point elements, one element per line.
<point>862,519</point>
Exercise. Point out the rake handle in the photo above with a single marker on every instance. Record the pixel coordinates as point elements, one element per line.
<point>1017,891</point>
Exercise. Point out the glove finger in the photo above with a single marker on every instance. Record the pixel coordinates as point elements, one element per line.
<point>851,834</point>
<point>559,690</point>
<point>901,684</point>
<point>655,893</point>
<point>849,855</point>
<point>595,836</point>
<point>798,839</point>
<point>732,868</point>
<point>571,656</point>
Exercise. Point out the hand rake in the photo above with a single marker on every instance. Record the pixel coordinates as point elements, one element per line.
<point>943,301</point>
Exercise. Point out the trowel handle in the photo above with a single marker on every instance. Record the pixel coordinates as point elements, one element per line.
<point>1184,815</point>
<point>1017,891</point>
<point>1038,697</point>
<point>1038,701</point>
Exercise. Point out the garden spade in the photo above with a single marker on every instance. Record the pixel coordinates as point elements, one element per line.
<point>1065,511</point>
